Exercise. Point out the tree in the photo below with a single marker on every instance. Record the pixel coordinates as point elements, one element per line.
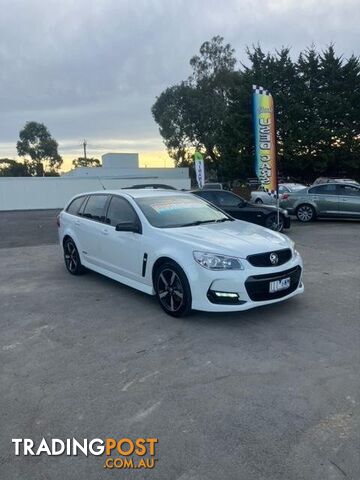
<point>12,168</point>
<point>316,105</point>
<point>86,162</point>
<point>36,142</point>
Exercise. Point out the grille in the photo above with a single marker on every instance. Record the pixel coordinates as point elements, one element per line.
<point>263,259</point>
<point>257,286</point>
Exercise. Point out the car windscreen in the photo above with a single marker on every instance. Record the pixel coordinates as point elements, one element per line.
<point>179,211</point>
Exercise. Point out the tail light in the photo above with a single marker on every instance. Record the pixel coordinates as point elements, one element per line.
<point>284,196</point>
<point>58,220</point>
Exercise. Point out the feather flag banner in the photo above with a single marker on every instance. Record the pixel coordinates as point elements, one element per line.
<point>265,139</point>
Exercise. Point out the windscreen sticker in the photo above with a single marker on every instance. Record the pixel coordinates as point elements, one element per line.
<point>163,206</point>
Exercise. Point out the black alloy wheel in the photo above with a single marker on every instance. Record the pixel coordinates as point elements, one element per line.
<point>173,290</point>
<point>72,258</point>
<point>271,222</point>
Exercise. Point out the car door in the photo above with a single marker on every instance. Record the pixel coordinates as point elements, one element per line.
<point>235,206</point>
<point>122,252</point>
<point>326,199</point>
<point>89,227</point>
<point>349,200</point>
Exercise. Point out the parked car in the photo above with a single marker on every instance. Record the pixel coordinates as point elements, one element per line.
<point>239,208</point>
<point>213,186</point>
<point>321,180</point>
<point>174,245</point>
<point>260,196</point>
<point>324,200</point>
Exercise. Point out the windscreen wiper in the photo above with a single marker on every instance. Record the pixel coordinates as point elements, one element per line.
<point>201,222</point>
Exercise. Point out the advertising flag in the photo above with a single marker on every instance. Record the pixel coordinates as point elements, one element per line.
<point>265,139</point>
<point>199,169</point>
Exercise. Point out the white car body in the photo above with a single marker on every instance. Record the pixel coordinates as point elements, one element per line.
<point>261,196</point>
<point>130,257</point>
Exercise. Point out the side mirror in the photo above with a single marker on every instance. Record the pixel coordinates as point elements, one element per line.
<point>128,227</point>
<point>242,204</point>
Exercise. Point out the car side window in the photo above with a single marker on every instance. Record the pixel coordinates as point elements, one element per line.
<point>227,199</point>
<point>282,189</point>
<point>75,205</point>
<point>120,211</point>
<point>348,190</point>
<point>95,208</point>
<point>325,189</point>
<point>206,196</point>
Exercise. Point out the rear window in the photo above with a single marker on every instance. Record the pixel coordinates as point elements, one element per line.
<point>95,208</point>
<point>75,205</point>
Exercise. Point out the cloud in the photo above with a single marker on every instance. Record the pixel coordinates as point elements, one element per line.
<point>93,68</point>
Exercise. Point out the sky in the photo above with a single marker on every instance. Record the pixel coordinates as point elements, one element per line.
<point>93,68</point>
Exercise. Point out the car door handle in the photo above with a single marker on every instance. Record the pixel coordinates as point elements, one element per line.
<point>77,222</point>
<point>105,231</point>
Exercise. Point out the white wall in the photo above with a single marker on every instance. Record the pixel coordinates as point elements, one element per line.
<point>25,193</point>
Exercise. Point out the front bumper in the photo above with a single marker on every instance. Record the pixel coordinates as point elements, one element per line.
<point>251,286</point>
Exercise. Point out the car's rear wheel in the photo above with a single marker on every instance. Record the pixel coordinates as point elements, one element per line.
<point>305,213</point>
<point>272,222</point>
<point>173,290</point>
<point>259,201</point>
<point>72,258</point>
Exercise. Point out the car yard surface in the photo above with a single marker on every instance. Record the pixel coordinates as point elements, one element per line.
<point>271,393</point>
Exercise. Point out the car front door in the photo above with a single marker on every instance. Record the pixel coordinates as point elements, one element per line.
<point>349,200</point>
<point>122,252</point>
<point>236,206</point>
<point>326,199</point>
<point>89,227</point>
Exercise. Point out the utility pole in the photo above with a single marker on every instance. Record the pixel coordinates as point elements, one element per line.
<point>84,145</point>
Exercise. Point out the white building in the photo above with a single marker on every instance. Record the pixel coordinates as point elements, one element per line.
<point>125,166</point>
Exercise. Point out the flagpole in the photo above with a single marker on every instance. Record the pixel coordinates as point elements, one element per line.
<point>277,168</point>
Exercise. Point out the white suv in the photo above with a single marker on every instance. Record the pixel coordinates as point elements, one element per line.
<point>187,252</point>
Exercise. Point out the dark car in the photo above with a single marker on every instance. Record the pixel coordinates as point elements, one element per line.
<point>239,208</point>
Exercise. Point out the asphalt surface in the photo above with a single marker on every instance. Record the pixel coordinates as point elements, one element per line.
<point>268,394</point>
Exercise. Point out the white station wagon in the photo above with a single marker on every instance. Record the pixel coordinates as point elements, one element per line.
<point>174,245</point>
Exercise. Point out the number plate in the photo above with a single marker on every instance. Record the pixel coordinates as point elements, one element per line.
<point>279,285</point>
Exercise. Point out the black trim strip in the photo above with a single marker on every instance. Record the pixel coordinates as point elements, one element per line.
<point>144,264</point>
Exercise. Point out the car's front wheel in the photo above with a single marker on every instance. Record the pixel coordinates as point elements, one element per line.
<point>305,213</point>
<point>273,223</point>
<point>72,258</point>
<point>173,289</point>
<point>259,201</point>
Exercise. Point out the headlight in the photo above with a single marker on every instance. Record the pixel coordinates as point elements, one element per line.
<point>213,261</point>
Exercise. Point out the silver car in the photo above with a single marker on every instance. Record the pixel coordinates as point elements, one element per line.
<point>260,196</point>
<point>325,200</point>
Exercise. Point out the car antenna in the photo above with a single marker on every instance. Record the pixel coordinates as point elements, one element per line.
<point>101,183</point>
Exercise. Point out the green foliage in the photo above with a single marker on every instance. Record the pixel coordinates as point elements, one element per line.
<point>37,143</point>
<point>316,101</point>
<point>12,168</point>
<point>86,162</point>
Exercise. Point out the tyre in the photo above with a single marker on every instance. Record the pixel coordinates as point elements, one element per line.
<point>72,258</point>
<point>271,222</point>
<point>305,213</point>
<point>259,201</point>
<point>173,290</point>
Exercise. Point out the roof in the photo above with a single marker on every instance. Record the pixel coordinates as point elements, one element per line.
<point>139,193</point>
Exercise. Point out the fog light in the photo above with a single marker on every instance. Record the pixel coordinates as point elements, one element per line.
<point>226,295</point>
<point>224,298</point>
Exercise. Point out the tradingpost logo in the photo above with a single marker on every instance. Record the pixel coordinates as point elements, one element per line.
<point>122,453</point>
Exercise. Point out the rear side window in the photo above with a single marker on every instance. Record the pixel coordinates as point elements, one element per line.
<point>348,190</point>
<point>95,208</point>
<point>120,211</point>
<point>75,205</point>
